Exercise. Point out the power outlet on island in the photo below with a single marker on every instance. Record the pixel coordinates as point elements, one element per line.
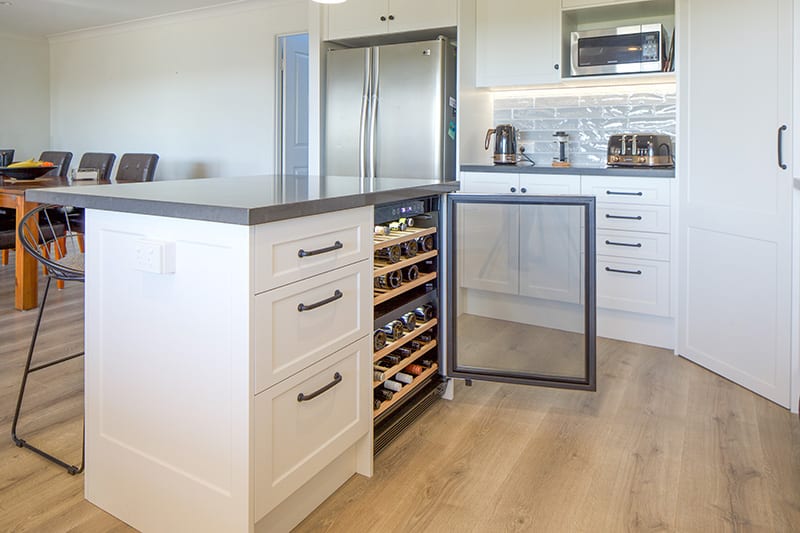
<point>157,257</point>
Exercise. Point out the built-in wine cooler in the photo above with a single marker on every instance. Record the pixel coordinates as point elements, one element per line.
<point>406,311</point>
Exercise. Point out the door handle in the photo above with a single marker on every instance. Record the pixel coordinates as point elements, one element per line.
<point>631,245</point>
<point>619,271</point>
<point>621,193</point>
<point>621,217</point>
<point>335,246</point>
<point>310,307</point>
<point>337,378</point>
<point>781,164</point>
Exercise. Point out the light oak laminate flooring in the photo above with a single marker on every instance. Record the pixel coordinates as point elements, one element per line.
<point>662,446</point>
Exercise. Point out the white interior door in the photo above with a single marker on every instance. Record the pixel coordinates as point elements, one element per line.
<point>294,105</point>
<point>735,271</point>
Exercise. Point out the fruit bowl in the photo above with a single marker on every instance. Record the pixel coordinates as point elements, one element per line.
<point>24,173</point>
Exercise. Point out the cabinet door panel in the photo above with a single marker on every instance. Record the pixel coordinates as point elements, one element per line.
<point>412,15</point>
<point>357,18</point>
<point>489,182</point>
<point>517,42</point>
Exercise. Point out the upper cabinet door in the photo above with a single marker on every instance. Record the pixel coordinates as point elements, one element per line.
<point>357,18</point>
<point>517,42</point>
<point>409,15</point>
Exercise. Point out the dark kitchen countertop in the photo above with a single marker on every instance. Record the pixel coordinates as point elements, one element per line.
<point>583,171</point>
<point>245,200</point>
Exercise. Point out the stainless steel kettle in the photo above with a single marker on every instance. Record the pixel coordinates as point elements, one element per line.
<point>505,144</point>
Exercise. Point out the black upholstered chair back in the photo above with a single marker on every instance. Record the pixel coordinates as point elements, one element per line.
<point>136,167</point>
<point>60,160</point>
<point>101,162</point>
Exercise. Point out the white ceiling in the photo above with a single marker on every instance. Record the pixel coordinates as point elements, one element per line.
<point>39,18</point>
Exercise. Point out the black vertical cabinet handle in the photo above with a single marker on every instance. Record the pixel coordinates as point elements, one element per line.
<point>337,378</point>
<point>336,246</point>
<point>781,164</point>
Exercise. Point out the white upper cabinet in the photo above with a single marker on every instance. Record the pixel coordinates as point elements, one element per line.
<point>517,42</point>
<point>359,18</point>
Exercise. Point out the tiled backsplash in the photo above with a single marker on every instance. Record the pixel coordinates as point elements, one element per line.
<point>589,117</point>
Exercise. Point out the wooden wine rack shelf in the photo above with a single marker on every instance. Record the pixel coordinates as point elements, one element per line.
<point>381,295</point>
<point>405,362</point>
<point>405,339</point>
<point>405,390</point>
<point>384,267</point>
<point>397,237</point>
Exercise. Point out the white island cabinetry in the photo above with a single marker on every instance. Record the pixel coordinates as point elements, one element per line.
<point>232,391</point>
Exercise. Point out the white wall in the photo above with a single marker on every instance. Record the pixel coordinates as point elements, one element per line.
<point>198,89</point>
<point>24,96</point>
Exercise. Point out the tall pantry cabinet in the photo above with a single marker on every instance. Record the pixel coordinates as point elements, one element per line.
<point>735,215</point>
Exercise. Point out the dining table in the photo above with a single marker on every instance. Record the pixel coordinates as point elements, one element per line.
<point>12,195</point>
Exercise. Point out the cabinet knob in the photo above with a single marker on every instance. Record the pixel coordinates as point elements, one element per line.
<point>513,189</point>
<point>391,17</point>
<point>556,66</point>
<point>383,19</point>
<point>523,190</point>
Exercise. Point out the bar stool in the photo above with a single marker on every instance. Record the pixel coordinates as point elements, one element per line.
<point>38,232</point>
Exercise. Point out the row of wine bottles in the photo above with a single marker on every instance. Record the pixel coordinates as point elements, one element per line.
<point>399,225</point>
<point>407,249</point>
<point>402,379</point>
<point>397,356</point>
<point>399,327</point>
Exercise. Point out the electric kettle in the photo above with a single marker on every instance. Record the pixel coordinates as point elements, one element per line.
<point>505,144</point>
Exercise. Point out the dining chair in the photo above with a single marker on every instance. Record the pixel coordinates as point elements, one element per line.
<point>102,162</point>
<point>60,160</point>
<point>65,263</point>
<point>136,167</point>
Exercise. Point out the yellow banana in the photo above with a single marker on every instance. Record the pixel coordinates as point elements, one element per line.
<point>24,164</point>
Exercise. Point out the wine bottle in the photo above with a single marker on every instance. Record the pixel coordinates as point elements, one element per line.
<point>409,321</point>
<point>427,336</point>
<point>376,404</point>
<point>416,345</point>
<point>398,226</point>
<point>384,394</point>
<point>426,243</point>
<point>414,369</point>
<point>378,375</point>
<point>393,359</point>
<point>393,330</point>
<point>378,340</point>
<point>403,378</point>
<point>392,254</point>
<point>391,280</point>
<point>427,266</point>
<point>382,230</point>
<point>427,363</point>
<point>392,385</point>
<point>425,312</point>
<point>409,248</point>
<point>402,352</point>
<point>411,273</point>
<point>407,221</point>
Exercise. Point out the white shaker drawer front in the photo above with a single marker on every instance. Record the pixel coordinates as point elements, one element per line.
<point>635,218</point>
<point>652,191</point>
<point>633,244</point>
<point>290,250</point>
<point>297,436</point>
<point>548,184</point>
<point>636,286</point>
<point>297,325</point>
<point>489,182</point>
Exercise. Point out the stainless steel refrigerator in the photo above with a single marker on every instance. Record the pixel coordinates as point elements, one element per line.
<point>390,111</point>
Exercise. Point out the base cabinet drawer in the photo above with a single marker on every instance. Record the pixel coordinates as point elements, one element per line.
<point>633,217</point>
<point>608,189</point>
<point>295,249</point>
<point>297,436</point>
<point>633,244</point>
<point>636,286</point>
<point>299,324</point>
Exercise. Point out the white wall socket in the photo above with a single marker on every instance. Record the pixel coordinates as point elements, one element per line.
<point>157,257</point>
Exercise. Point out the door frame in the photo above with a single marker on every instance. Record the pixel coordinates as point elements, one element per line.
<point>280,68</point>
<point>589,287</point>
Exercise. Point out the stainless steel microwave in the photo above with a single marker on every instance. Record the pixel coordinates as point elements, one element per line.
<point>618,50</point>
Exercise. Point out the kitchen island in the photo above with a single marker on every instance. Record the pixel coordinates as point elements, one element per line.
<point>228,345</point>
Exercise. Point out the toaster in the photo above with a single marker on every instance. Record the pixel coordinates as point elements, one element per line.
<point>640,150</point>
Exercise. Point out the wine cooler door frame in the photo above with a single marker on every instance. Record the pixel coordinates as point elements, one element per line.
<point>453,369</point>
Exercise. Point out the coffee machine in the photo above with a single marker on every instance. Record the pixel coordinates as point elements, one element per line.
<point>505,144</point>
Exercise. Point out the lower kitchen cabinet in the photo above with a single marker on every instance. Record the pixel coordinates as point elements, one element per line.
<point>634,269</point>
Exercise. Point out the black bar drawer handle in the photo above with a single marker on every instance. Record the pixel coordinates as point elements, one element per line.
<point>631,245</point>
<point>337,378</point>
<point>336,246</point>
<point>781,164</point>
<point>621,217</point>
<point>618,271</point>
<point>336,295</point>
<point>621,193</point>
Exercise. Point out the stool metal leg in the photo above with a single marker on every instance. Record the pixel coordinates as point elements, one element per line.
<point>21,443</point>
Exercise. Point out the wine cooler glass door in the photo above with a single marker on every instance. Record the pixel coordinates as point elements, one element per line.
<point>520,289</point>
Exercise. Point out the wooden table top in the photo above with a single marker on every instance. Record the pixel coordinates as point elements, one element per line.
<point>18,187</point>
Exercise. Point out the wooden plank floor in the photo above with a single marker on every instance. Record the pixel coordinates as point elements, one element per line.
<point>662,446</point>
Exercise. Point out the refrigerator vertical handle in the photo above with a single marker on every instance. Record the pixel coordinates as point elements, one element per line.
<point>374,110</point>
<point>362,125</point>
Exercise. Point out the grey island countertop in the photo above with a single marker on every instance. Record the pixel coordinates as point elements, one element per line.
<point>526,168</point>
<point>247,200</point>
